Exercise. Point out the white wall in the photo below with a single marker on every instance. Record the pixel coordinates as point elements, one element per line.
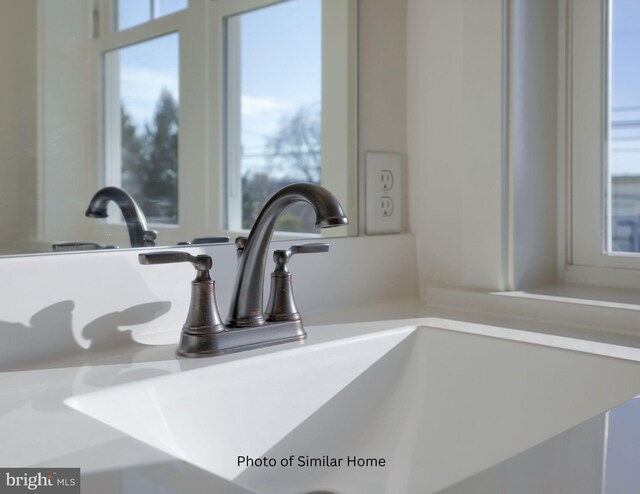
<point>67,125</point>
<point>481,99</point>
<point>40,78</point>
<point>18,118</point>
<point>532,141</point>
<point>382,76</point>
<point>456,116</point>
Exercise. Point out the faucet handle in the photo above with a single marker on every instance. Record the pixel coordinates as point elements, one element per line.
<point>149,238</point>
<point>201,262</point>
<point>240,242</point>
<point>281,305</point>
<point>203,319</point>
<point>309,248</point>
<point>281,257</point>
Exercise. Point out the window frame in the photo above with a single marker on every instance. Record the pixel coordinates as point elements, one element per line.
<point>339,87</point>
<point>201,140</point>
<point>584,148</point>
<point>194,175</point>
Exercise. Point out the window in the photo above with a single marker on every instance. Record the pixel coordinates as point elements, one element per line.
<point>207,100</point>
<point>289,109</point>
<point>624,127</point>
<point>130,13</point>
<point>139,64</point>
<point>141,103</point>
<point>604,133</point>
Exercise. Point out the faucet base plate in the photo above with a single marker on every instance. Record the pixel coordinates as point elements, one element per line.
<point>233,340</point>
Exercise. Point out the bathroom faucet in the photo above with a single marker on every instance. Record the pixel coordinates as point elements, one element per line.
<point>247,326</point>
<point>139,235</point>
<point>246,299</point>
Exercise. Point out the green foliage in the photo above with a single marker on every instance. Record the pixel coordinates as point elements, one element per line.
<point>150,161</point>
<point>257,188</point>
<point>289,223</point>
<point>150,165</point>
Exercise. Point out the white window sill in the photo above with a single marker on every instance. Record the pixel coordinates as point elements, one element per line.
<point>591,313</point>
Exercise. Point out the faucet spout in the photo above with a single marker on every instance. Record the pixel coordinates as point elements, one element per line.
<point>246,299</point>
<point>139,235</point>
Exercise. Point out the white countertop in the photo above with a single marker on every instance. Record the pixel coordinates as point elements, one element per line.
<point>38,429</point>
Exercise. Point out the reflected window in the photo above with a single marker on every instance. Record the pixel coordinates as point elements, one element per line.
<point>273,117</point>
<point>141,123</point>
<point>130,13</point>
<point>272,74</point>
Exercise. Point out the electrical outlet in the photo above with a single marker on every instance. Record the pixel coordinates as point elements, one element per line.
<point>386,180</point>
<point>383,192</point>
<point>386,206</point>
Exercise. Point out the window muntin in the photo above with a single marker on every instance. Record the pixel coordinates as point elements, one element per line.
<point>588,140</point>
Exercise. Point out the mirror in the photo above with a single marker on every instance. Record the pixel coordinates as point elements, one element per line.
<point>197,109</point>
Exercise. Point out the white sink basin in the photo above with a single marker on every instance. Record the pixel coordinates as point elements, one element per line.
<point>438,405</point>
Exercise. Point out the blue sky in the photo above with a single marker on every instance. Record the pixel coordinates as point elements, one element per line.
<point>281,64</point>
<point>133,12</point>
<point>145,69</point>
<point>625,87</point>
<point>281,68</point>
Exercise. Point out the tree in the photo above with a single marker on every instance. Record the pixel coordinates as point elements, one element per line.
<point>133,159</point>
<point>296,146</point>
<point>257,188</point>
<point>162,185</point>
<point>294,149</point>
<point>150,160</point>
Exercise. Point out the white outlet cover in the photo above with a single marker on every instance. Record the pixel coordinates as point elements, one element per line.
<point>383,192</point>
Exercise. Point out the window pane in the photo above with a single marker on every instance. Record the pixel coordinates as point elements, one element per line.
<point>142,82</point>
<point>274,104</point>
<point>130,13</point>
<point>166,7</point>
<point>624,126</point>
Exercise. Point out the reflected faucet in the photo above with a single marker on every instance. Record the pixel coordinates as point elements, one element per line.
<point>246,299</point>
<point>139,235</point>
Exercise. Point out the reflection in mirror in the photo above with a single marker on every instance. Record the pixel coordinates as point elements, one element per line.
<point>139,234</point>
<point>130,13</point>
<point>143,156</point>
<point>198,110</point>
<point>289,72</point>
<point>274,93</point>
